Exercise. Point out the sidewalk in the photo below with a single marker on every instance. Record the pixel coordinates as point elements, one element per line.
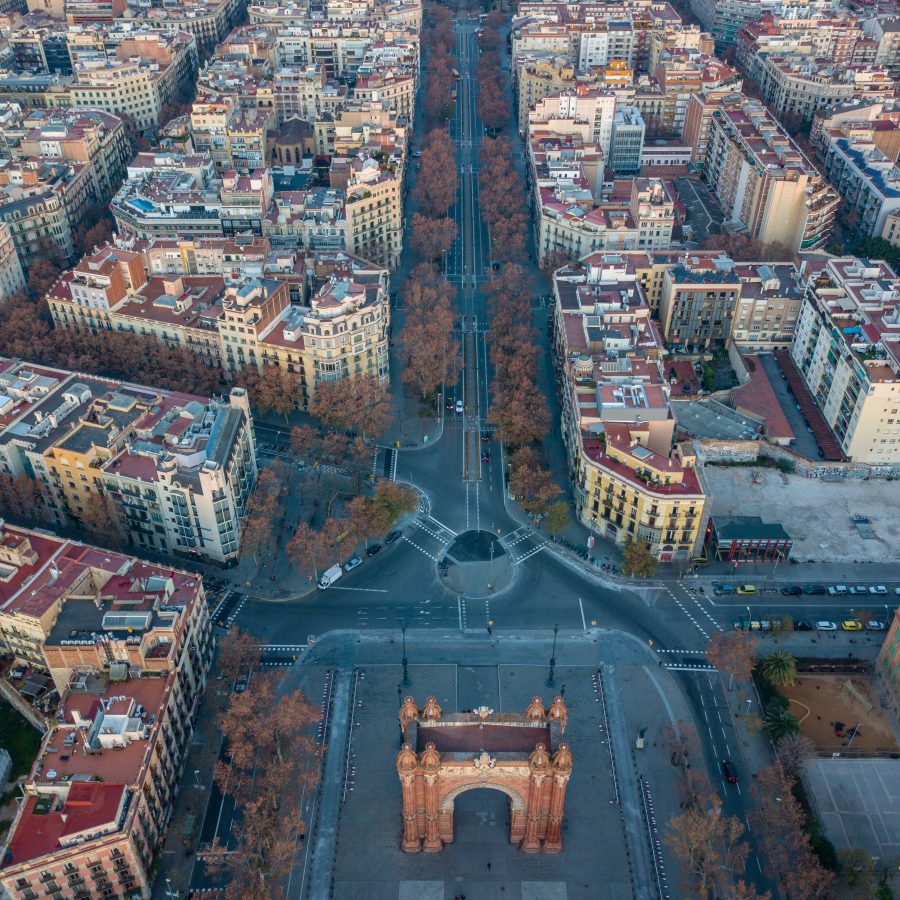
<point>178,853</point>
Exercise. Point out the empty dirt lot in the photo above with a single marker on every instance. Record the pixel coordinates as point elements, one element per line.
<point>817,514</point>
<point>821,701</point>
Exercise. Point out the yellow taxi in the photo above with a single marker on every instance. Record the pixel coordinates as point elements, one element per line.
<point>746,589</point>
<point>851,625</point>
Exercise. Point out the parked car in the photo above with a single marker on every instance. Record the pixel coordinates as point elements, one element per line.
<point>837,589</point>
<point>874,626</point>
<point>723,589</point>
<point>373,549</point>
<point>392,536</point>
<point>851,625</point>
<point>729,771</point>
<point>877,589</point>
<point>792,590</point>
<point>815,589</point>
<point>825,625</point>
<point>802,626</point>
<point>857,589</point>
<point>352,563</point>
<point>746,589</point>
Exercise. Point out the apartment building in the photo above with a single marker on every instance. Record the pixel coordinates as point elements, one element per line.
<point>636,214</point>
<point>234,138</point>
<point>847,349</point>
<point>12,279</point>
<point>374,211</point>
<point>800,85</point>
<point>866,178</point>
<point>679,74</point>
<point>627,143</point>
<point>129,646</point>
<point>236,318</point>
<point>299,92</point>
<point>141,77</point>
<point>836,37</point>
<point>765,315</point>
<point>698,301</point>
<point>178,469</point>
<point>764,184</point>
<point>884,30</point>
<point>42,201</point>
<point>175,198</point>
<point>91,137</point>
<point>587,111</point>
<point>630,482</point>
<point>393,87</point>
<point>207,20</point>
<point>724,19</point>
<point>698,117</point>
<point>539,78</point>
<point>38,44</point>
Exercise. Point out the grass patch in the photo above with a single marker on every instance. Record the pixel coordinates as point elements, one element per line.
<point>20,738</point>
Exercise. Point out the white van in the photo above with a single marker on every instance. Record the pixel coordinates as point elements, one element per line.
<point>330,576</point>
<point>837,590</point>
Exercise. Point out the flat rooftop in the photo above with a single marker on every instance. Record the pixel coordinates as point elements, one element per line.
<point>713,420</point>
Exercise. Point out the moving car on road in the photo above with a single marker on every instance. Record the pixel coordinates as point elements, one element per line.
<point>459,406</point>
<point>729,771</point>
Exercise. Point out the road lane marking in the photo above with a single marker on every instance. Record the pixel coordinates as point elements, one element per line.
<point>335,587</point>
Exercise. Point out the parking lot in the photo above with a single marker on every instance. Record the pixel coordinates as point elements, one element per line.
<point>704,214</point>
<point>818,515</point>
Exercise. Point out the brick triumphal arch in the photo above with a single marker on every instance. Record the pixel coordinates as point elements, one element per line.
<point>522,756</point>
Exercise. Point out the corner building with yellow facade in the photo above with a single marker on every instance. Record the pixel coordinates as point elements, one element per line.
<point>632,482</point>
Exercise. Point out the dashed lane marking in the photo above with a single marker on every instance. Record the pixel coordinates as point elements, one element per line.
<point>685,610</point>
<point>420,549</point>
<point>688,667</point>
<point>537,549</point>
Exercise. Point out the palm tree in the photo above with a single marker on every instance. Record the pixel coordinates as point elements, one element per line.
<point>780,722</point>
<point>779,668</point>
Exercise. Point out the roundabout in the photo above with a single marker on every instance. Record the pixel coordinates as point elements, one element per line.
<point>476,564</point>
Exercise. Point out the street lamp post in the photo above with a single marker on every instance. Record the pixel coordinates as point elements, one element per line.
<point>405,681</point>
<point>550,680</point>
<point>399,704</point>
<point>591,541</point>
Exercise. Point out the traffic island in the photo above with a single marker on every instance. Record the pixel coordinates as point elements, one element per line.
<point>476,565</point>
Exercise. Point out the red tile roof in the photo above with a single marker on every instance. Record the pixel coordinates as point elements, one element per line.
<point>90,806</point>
